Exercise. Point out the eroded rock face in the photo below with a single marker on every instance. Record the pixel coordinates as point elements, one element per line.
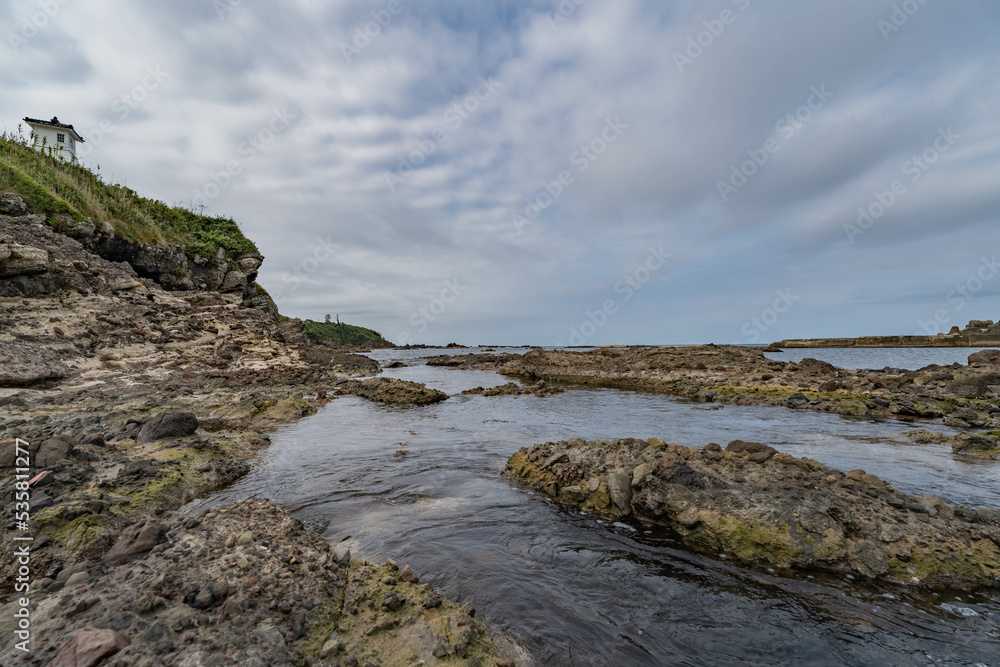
<point>17,260</point>
<point>760,507</point>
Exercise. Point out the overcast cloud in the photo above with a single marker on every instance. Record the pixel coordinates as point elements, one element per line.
<point>361,158</point>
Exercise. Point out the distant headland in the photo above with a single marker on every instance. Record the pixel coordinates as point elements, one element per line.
<point>978,333</point>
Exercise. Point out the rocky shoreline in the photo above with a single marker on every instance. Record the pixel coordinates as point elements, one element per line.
<point>757,507</point>
<point>964,397</point>
<point>137,395</point>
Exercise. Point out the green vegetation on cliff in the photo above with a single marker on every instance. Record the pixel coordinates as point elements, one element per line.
<point>344,334</point>
<point>52,186</point>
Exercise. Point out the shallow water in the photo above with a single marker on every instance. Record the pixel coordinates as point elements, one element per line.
<point>908,358</point>
<point>578,590</point>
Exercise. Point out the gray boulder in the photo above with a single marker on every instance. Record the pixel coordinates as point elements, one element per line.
<point>12,205</point>
<point>168,425</point>
<point>51,452</point>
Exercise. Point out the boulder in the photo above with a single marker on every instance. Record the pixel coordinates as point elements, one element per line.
<point>235,281</point>
<point>620,489</point>
<point>134,541</point>
<point>90,646</point>
<point>741,446</point>
<point>985,358</point>
<point>51,451</point>
<point>168,425</point>
<point>12,205</point>
<point>81,230</point>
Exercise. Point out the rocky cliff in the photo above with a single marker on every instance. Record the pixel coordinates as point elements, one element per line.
<point>40,256</point>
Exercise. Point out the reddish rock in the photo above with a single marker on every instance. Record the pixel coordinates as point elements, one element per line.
<point>89,647</point>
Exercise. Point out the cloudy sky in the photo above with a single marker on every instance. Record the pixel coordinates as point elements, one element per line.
<point>556,171</point>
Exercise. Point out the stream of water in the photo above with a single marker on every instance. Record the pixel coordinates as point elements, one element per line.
<point>578,590</point>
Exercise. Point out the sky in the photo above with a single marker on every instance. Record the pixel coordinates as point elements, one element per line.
<point>555,172</point>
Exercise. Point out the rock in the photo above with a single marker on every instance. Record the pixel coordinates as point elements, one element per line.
<point>407,575</point>
<point>782,514</point>
<point>559,457</point>
<point>392,391</point>
<point>134,470</point>
<point>393,601</point>
<point>21,260</point>
<point>972,387</point>
<point>51,452</point>
<point>134,541</point>
<point>89,647</point>
<point>330,649</point>
<point>620,488</point>
<point>23,365</point>
<point>40,501</point>
<point>12,205</point>
<point>267,633</point>
<point>985,358</point>
<point>43,479</point>
<point>78,579</point>
<point>640,473</point>
<point>168,425</point>
<point>797,400</point>
<point>341,554</point>
<point>740,447</point>
<point>235,281</point>
<point>82,230</point>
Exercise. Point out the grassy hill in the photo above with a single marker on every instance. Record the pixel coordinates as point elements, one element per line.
<point>53,186</point>
<point>345,334</point>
